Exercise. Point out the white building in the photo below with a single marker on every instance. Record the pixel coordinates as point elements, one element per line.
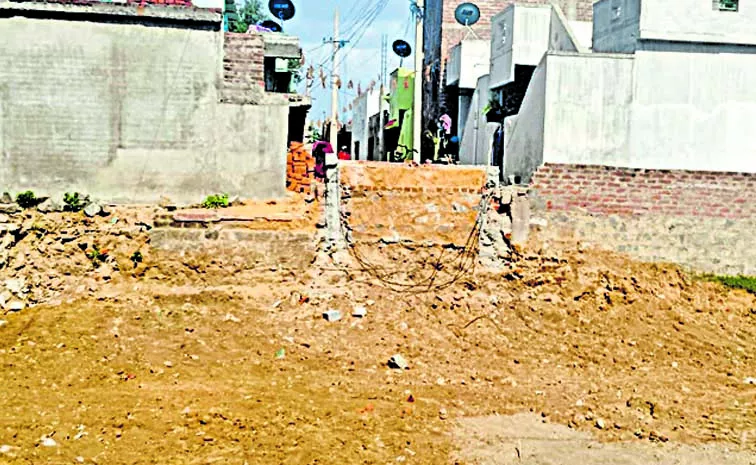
<point>669,85</point>
<point>364,108</point>
<point>520,36</point>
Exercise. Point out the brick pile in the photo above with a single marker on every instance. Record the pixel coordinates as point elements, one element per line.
<point>299,168</point>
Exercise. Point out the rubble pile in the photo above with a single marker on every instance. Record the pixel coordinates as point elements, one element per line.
<point>47,254</point>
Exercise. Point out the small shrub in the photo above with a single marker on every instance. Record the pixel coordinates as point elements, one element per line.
<point>73,202</point>
<point>97,256</point>
<point>27,200</point>
<point>136,258</point>
<point>216,201</point>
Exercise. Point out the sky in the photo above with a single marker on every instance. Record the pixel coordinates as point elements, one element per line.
<point>361,59</point>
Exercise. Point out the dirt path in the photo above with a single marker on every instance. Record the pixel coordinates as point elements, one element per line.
<point>526,439</point>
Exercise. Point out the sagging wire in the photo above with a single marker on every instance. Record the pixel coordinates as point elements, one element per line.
<point>463,264</point>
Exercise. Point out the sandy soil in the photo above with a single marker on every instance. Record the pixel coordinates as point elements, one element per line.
<point>197,359</point>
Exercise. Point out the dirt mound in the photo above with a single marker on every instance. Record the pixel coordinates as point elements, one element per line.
<point>202,359</point>
<point>46,255</point>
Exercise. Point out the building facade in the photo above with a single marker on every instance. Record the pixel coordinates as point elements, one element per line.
<point>93,101</point>
<point>441,33</point>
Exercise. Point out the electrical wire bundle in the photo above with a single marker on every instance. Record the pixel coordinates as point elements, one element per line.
<point>462,264</point>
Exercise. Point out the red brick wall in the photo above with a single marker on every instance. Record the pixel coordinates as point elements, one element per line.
<point>243,65</point>
<point>423,204</point>
<point>623,191</point>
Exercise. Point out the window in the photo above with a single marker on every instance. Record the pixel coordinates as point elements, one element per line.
<point>726,5</point>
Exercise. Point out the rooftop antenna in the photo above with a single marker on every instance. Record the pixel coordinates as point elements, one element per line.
<point>468,14</point>
<point>282,9</point>
<point>403,49</point>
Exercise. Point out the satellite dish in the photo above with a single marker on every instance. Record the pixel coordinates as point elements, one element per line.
<point>272,25</point>
<point>402,48</point>
<point>467,14</point>
<point>282,9</point>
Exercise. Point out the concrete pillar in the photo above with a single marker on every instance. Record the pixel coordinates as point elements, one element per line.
<point>520,217</point>
<point>334,236</point>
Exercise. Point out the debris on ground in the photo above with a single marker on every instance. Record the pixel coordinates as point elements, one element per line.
<point>582,337</point>
<point>359,311</point>
<point>332,315</point>
<point>398,362</point>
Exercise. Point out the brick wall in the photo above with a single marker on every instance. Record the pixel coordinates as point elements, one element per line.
<point>622,191</point>
<point>435,204</point>
<point>704,220</point>
<point>243,66</point>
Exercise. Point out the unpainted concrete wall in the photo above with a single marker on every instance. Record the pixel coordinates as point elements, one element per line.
<point>473,148</point>
<point>697,109</point>
<point>129,113</point>
<point>655,110</point>
<point>525,143</point>
<point>616,26</point>
<point>587,109</point>
<point>697,21</point>
<point>520,37</point>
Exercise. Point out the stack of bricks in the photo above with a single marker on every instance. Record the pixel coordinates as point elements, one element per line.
<point>299,168</point>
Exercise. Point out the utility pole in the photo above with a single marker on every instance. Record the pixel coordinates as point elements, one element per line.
<point>417,110</point>
<point>334,83</point>
<point>381,122</point>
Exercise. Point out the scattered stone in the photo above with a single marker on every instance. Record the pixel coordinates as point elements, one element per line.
<point>49,206</point>
<point>579,403</point>
<point>232,318</point>
<point>80,459</point>
<point>9,227</point>
<point>332,315</point>
<point>600,424</point>
<point>168,364</point>
<point>750,380</point>
<point>459,208</point>
<point>4,218</point>
<point>15,286</point>
<point>9,208</point>
<point>6,198</point>
<point>442,414</point>
<point>398,362</point>
<point>3,323</point>
<point>48,442</point>
<point>6,449</point>
<point>93,209</point>
<point>359,311</point>
<point>654,436</point>
<point>281,353</point>
<point>16,306</point>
